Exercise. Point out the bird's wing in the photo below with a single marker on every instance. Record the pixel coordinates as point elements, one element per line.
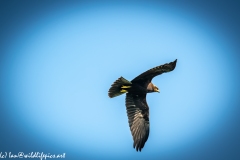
<point>138,118</point>
<point>151,73</point>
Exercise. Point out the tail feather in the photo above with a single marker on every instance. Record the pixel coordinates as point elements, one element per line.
<point>117,87</point>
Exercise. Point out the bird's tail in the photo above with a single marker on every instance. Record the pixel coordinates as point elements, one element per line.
<point>120,86</point>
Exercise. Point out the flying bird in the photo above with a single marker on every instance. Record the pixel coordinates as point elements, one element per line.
<point>136,104</point>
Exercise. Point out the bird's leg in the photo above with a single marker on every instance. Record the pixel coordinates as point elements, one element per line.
<point>123,91</point>
<point>126,86</point>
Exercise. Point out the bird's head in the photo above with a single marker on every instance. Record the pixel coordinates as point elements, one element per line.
<point>152,88</point>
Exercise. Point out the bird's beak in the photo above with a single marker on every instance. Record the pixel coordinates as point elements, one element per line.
<point>158,91</point>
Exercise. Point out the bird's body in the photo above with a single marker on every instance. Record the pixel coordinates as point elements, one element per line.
<point>136,104</point>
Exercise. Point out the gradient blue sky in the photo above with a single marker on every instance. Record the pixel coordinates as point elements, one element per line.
<point>59,58</point>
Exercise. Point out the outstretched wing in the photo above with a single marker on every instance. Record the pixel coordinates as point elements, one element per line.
<point>138,119</point>
<point>151,73</point>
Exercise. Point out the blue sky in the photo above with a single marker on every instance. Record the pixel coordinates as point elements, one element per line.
<point>59,62</point>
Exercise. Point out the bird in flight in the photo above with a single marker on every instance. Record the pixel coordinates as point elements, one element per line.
<point>136,104</point>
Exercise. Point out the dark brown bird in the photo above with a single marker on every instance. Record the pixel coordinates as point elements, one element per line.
<point>136,104</point>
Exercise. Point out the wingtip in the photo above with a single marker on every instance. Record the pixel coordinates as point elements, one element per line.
<point>138,148</point>
<point>174,63</point>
